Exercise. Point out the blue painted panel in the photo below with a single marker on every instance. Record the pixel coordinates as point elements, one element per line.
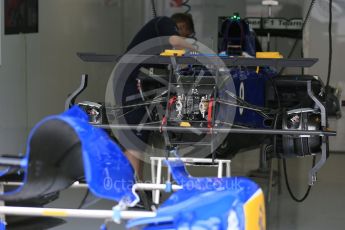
<point>203,203</point>
<point>107,171</point>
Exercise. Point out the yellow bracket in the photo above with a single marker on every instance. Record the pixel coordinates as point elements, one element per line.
<point>185,124</point>
<point>267,55</point>
<point>170,53</point>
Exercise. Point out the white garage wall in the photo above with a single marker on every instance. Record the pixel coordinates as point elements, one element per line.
<point>67,27</point>
<point>12,92</point>
<point>38,71</point>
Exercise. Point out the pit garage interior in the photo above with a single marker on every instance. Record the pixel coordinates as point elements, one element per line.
<point>40,68</point>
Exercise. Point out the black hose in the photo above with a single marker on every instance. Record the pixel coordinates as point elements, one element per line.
<point>84,199</point>
<point>330,55</point>
<point>154,11</point>
<point>189,8</point>
<point>305,196</point>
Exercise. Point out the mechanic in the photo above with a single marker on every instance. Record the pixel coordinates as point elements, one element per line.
<point>178,27</point>
<point>170,36</point>
<point>185,24</point>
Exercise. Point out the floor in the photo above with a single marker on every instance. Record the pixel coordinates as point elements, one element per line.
<point>323,209</point>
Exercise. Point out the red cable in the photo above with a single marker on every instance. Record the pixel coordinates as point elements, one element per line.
<point>209,113</point>
<point>170,103</point>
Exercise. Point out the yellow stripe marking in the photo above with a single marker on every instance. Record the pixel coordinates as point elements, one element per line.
<point>54,213</point>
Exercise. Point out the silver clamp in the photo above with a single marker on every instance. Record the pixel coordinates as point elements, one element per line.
<point>324,149</point>
<point>71,98</point>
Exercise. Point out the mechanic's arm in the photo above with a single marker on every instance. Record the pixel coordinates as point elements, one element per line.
<point>180,43</point>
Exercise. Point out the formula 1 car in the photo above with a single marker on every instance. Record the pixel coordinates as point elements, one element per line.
<point>216,105</point>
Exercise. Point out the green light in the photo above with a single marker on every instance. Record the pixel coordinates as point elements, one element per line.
<point>235,17</point>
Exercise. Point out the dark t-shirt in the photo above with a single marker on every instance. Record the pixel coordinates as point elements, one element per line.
<point>157,27</point>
